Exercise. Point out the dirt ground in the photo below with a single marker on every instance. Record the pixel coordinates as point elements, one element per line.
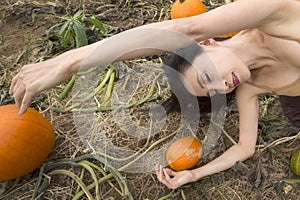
<point>23,40</point>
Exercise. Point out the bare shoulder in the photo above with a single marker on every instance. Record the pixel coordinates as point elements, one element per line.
<point>245,92</point>
<point>263,14</point>
<point>283,18</point>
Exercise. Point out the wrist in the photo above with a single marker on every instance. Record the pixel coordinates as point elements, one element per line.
<point>71,62</point>
<point>195,175</point>
<point>74,59</point>
<point>65,65</point>
<point>200,172</point>
<point>85,57</point>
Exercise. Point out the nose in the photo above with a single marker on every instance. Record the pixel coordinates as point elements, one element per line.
<point>221,86</point>
<point>226,85</point>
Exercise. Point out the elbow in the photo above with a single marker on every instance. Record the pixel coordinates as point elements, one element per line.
<point>189,28</point>
<point>250,152</point>
<point>247,150</point>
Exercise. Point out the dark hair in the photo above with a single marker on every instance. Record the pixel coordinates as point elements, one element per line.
<point>175,65</point>
<point>181,59</point>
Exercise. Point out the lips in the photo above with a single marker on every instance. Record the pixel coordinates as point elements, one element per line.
<point>235,79</point>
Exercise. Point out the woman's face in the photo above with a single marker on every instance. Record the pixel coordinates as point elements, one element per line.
<point>218,70</point>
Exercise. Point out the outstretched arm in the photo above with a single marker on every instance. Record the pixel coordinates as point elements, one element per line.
<point>248,109</point>
<point>138,42</point>
<point>141,41</point>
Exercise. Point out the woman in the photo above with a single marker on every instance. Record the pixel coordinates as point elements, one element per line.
<point>202,81</point>
<point>262,55</point>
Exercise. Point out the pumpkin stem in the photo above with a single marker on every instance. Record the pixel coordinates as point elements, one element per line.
<point>181,1</point>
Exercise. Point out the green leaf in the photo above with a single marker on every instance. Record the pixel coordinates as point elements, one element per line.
<point>67,39</point>
<point>80,35</point>
<point>48,32</point>
<point>97,23</point>
<point>62,30</point>
<point>78,14</point>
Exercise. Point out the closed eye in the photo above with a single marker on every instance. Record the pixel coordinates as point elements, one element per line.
<point>207,77</point>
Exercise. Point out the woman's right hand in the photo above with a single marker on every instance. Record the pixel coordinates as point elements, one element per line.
<point>34,78</point>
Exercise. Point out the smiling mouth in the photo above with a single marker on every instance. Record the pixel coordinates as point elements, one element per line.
<point>235,79</point>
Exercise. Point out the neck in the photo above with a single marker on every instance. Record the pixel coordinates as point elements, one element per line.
<point>251,48</point>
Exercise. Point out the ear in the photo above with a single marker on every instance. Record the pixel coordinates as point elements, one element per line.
<point>209,42</point>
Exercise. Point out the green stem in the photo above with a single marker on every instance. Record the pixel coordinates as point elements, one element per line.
<point>113,173</point>
<point>94,177</point>
<point>147,150</point>
<point>150,94</point>
<point>102,172</point>
<point>67,88</point>
<point>168,196</point>
<point>42,188</point>
<point>218,189</point>
<point>291,180</point>
<point>105,178</point>
<point>109,88</point>
<point>91,95</point>
<point>81,178</point>
<point>21,55</point>
<point>110,108</point>
<point>121,181</point>
<point>81,73</point>
<point>76,178</point>
<point>182,194</point>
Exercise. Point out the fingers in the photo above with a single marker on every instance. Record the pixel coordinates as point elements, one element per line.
<point>159,173</point>
<point>18,92</point>
<point>22,99</point>
<point>14,84</point>
<point>25,103</point>
<point>170,172</point>
<point>21,95</point>
<point>165,175</point>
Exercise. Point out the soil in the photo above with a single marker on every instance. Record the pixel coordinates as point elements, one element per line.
<point>23,40</point>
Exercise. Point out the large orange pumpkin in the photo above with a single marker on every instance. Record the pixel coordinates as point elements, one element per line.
<point>25,141</point>
<point>184,153</point>
<point>187,8</point>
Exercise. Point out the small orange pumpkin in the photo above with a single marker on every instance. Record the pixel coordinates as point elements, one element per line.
<point>26,141</point>
<point>187,8</point>
<point>184,153</point>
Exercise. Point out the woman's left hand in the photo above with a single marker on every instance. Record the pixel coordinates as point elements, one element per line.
<point>173,179</point>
